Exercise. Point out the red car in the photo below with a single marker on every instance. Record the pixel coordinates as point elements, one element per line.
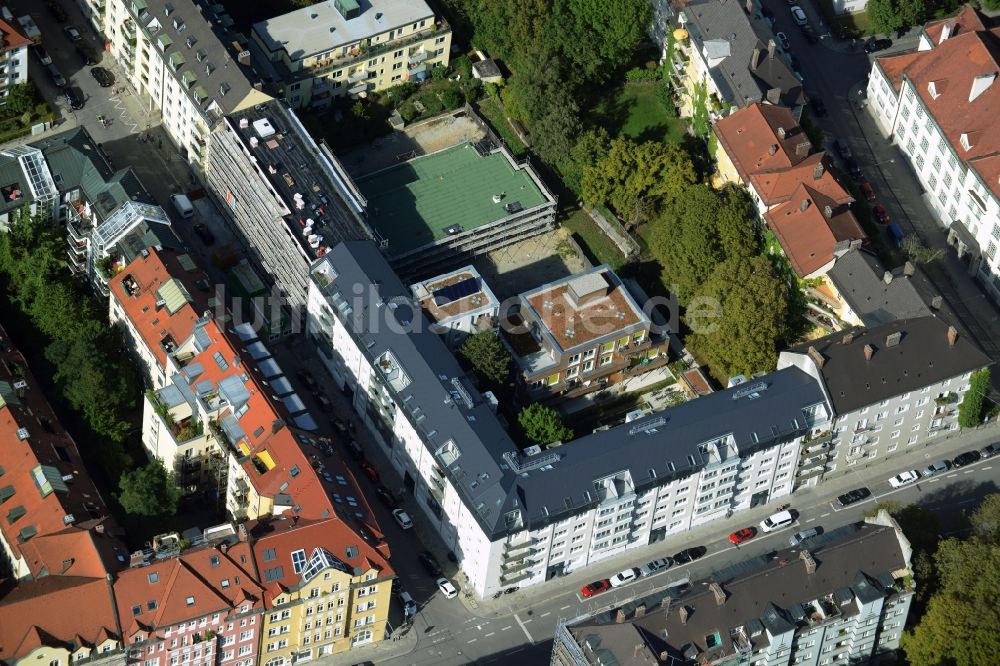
<point>739,536</point>
<point>369,470</point>
<point>867,190</point>
<point>880,214</point>
<point>596,587</point>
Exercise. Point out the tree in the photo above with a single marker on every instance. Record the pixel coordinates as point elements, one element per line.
<point>21,98</point>
<point>149,491</point>
<point>986,519</point>
<point>883,16</point>
<point>597,37</point>
<point>487,355</point>
<point>543,425</point>
<point>971,409</point>
<point>591,147</point>
<point>632,173</point>
<point>752,302</point>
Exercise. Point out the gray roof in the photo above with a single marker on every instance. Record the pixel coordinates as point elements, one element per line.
<point>875,297</point>
<point>921,357</point>
<point>728,21</point>
<point>766,593</point>
<point>321,27</point>
<point>208,51</point>
<point>489,475</point>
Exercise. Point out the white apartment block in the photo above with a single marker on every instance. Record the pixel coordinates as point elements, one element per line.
<point>526,517</point>
<point>936,104</point>
<point>459,303</point>
<point>346,47</point>
<point>172,53</point>
<point>13,57</point>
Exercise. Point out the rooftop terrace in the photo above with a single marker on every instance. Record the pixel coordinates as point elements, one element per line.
<point>454,294</point>
<point>429,198</point>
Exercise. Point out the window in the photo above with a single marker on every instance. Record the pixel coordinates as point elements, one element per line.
<point>298,560</point>
<point>589,365</point>
<point>606,360</point>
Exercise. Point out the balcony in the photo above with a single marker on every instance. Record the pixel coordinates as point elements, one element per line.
<point>355,77</point>
<point>516,565</point>
<point>812,463</point>
<point>418,57</point>
<point>512,578</point>
<point>362,54</point>
<point>512,550</point>
<point>808,473</point>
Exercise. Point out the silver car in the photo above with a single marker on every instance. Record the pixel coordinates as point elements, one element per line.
<point>936,468</point>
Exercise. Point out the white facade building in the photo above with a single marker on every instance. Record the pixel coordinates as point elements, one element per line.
<point>13,57</point>
<point>937,105</point>
<point>527,517</point>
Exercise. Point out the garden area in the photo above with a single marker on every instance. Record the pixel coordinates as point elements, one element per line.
<point>640,110</point>
<point>22,109</point>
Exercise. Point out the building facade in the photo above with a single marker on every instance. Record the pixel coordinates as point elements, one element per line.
<point>13,58</point>
<point>346,47</point>
<point>934,104</point>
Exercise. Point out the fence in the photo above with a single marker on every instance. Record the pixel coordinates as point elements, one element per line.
<point>610,225</point>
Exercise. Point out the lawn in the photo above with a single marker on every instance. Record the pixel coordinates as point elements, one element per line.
<point>854,25</point>
<point>636,111</point>
<point>600,247</point>
<point>489,109</point>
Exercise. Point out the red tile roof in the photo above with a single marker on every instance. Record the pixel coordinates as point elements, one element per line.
<point>893,67</point>
<point>84,549</point>
<point>44,483</point>
<point>56,611</point>
<point>967,20</point>
<point>135,289</point>
<point>749,135</point>
<point>12,38</point>
<point>775,187</point>
<point>808,236</point>
<point>274,541</point>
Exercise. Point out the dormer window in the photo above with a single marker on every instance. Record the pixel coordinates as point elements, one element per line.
<point>966,141</point>
<point>179,25</point>
<point>932,90</point>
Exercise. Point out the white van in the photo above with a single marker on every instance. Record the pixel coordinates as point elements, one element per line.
<point>182,205</point>
<point>777,521</point>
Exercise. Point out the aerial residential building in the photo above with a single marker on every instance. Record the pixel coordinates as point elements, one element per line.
<point>891,387</point>
<point>326,590</point>
<point>842,599</point>
<point>55,521</point>
<point>936,104</point>
<point>458,304</point>
<point>346,47</point>
<point>730,55</point>
<point>523,518</point>
<point>61,620</point>
<point>582,333</point>
<point>182,57</point>
<point>13,58</point>
<point>288,198</point>
<point>200,606</point>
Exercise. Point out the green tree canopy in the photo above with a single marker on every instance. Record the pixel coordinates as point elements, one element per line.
<point>543,425</point>
<point>971,410</point>
<point>21,98</point>
<point>149,491</point>
<point>752,304</point>
<point>632,175</point>
<point>591,147</point>
<point>487,355</point>
<point>597,37</point>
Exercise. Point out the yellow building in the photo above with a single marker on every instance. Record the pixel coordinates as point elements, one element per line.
<point>326,589</point>
<point>345,47</point>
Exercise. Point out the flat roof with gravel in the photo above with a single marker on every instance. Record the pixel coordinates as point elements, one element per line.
<point>415,203</point>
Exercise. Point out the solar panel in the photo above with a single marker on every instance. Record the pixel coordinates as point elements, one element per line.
<point>457,291</point>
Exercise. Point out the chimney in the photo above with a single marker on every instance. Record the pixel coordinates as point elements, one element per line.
<point>827,212</point>
<point>887,277</point>
<point>771,46</point>
<point>936,303</point>
<point>893,339</point>
<point>99,528</point>
<point>848,338</point>
<point>685,614</point>
<point>804,205</point>
<point>242,532</point>
<point>807,557</point>
<point>856,243</point>
<point>908,269</point>
<point>817,357</point>
<point>952,336</point>
<point>781,132</point>
<point>720,594</point>
<point>619,616</point>
<point>773,149</point>
<point>946,31</point>
<point>640,610</point>
<point>637,650</point>
<point>755,57</point>
<point>818,171</point>
<point>869,352</point>
<point>802,148</point>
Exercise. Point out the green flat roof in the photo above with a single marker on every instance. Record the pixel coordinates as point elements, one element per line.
<point>412,204</point>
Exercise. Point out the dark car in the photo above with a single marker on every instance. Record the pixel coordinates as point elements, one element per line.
<point>58,13</point>
<point>874,45</point>
<point>852,168</point>
<point>689,555</point>
<point>324,402</point>
<point>86,56</point>
<point>966,458</point>
<point>842,148</point>
<point>853,496</point>
<point>429,563</point>
<point>72,33</point>
<point>74,98</point>
<point>354,448</point>
<point>990,450</point>
<point>204,233</point>
<point>810,34</point>
<point>308,380</point>
<point>783,40</point>
<point>104,78</point>
<point>881,215</point>
<point>386,497</point>
<point>339,427</point>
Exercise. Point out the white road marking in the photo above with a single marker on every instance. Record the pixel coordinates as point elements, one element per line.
<point>490,634</point>
<point>986,468</point>
<point>506,628</point>
<point>524,629</point>
<point>544,614</point>
<point>809,520</point>
<point>933,480</point>
<point>968,471</point>
<point>824,515</point>
<point>472,640</point>
<point>951,475</point>
<point>564,607</point>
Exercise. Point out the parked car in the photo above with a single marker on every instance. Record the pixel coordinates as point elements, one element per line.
<point>936,468</point>
<point>403,518</point>
<point>72,33</point>
<point>904,478</point>
<point>852,168</point>
<point>783,40</point>
<point>447,588</point>
<point>624,577</point>
<point>429,563</point>
<point>874,45</point>
<point>817,105</point>
<point>308,380</point>
<point>324,402</point>
<point>86,56</point>
<point>867,191</point>
<point>799,16</point>
<point>852,496</point>
<point>74,98</point>
<point>409,606</point>
<point>966,458</point>
<point>799,537</point>
<point>369,470</point>
<point>355,450</point>
<point>881,214</point>
<point>386,497</point>
<point>57,77</point>
<point>776,521</point>
<point>58,13</point>
<point>653,567</point>
<point>842,148</point>
<point>810,34</point>
<point>339,427</point>
<point>689,554</point>
<point>43,56</point>
<point>739,536</point>
<point>594,588</point>
<point>104,78</point>
<point>990,450</point>
<point>204,233</point>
